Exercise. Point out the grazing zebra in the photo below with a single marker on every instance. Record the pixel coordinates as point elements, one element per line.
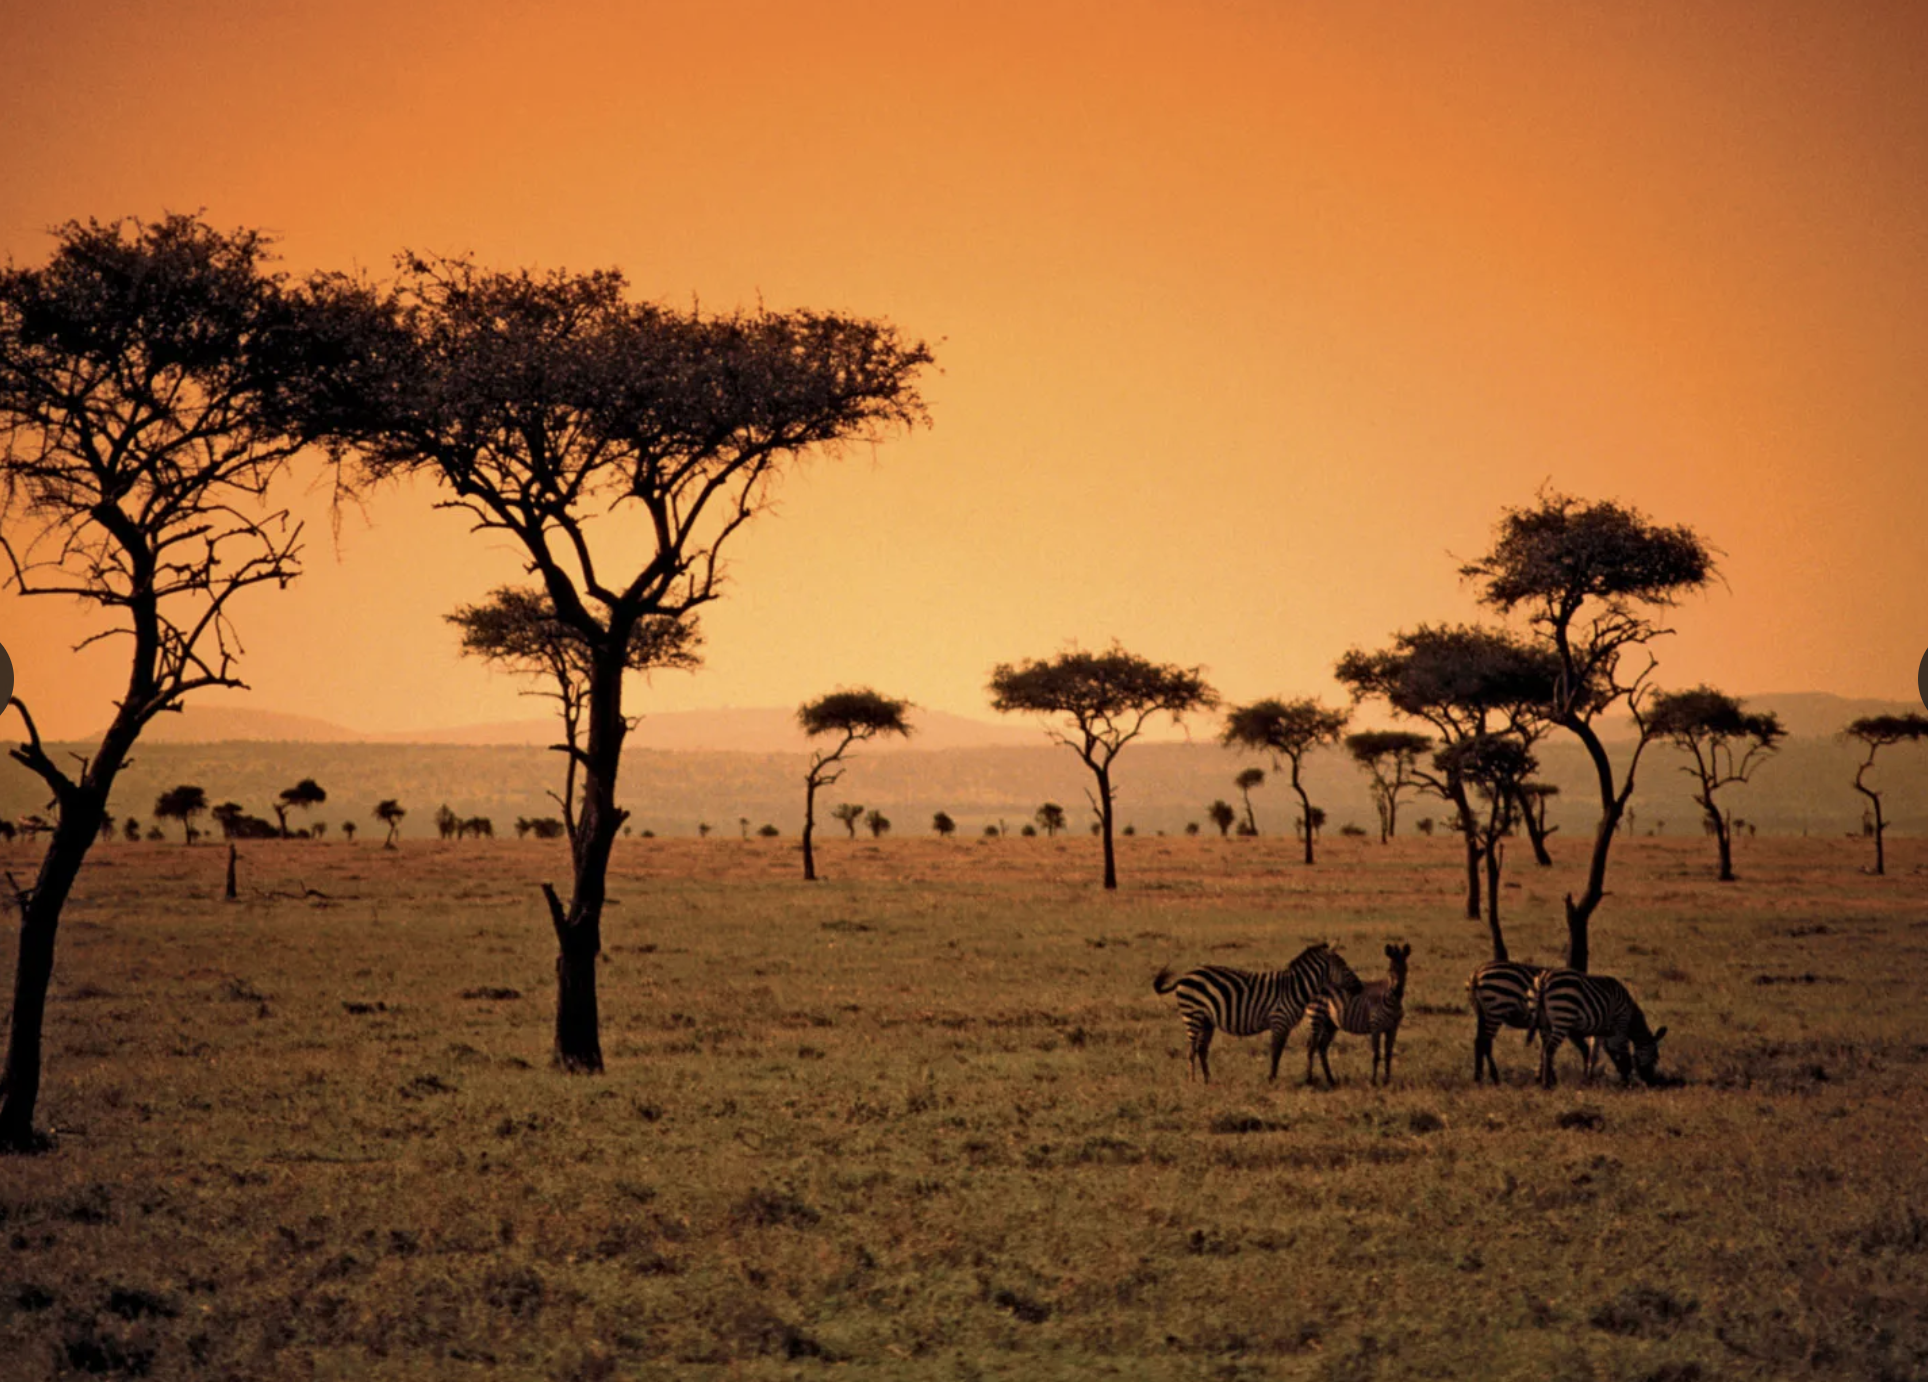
<point>1569,1004</point>
<point>1502,993</point>
<point>1245,1003</point>
<point>1374,1011</point>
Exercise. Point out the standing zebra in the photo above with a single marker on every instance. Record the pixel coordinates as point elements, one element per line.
<point>1374,1011</point>
<point>1567,1003</point>
<point>1502,993</point>
<point>1245,1002</point>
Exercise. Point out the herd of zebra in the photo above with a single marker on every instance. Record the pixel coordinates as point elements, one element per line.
<point>1554,1004</point>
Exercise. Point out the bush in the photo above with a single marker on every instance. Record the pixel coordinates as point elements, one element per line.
<point>768,832</point>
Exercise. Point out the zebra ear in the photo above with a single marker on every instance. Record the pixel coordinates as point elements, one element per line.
<point>1659,1034</point>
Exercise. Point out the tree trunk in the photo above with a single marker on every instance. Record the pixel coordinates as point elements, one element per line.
<point>229,894</point>
<point>1305,805</point>
<point>1493,862</point>
<point>1469,834</point>
<point>809,823</point>
<point>78,827</point>
<point>1723,837</point>
<point>1104,819</point>
<point>1579,914</point>
<point>1536,831</point>
<point>1874,797</point>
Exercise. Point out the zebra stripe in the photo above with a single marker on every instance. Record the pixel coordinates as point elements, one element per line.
<point>1570,1005</point>
<point>1502,993</point>
<point>1374,1011</point>
<point>1245,1002</point>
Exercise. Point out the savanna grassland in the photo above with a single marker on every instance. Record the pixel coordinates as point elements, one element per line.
<point>927,1119</point>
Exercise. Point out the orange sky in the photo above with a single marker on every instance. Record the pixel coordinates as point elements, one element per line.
<point>1251,316</point>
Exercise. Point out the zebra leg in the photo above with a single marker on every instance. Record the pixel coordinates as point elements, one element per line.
<point>1201,1035</point>
<point>1549,1043</point>
<point>1483,1051</point>
<point>1279,1034</point>
<point>1391,1035</point>
<point>1375,1058</point>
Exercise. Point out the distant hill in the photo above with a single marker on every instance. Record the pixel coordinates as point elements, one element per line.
<point>749,731</point>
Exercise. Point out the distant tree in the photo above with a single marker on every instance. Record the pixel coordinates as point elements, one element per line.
<point>1388,756</point>
<point>106,827</point>
<point>237,824</point>
<point>1191,828</point>
<point>302,796</point>
<point>319,829</point>
<point>1711,727</point>
<point>1464,681</point>
<point>348,831</point>
<point>1876,732</point>
<point>1590,577</point>
<point>1028,831</point>
<point>131,828</point>
<point>447,823</point>
<point>148,376</point>
<point>154,835</point>
<point>1288,730</point>
<point>554,410</point>
<point>703,829</point>
<point>182,804</point>
<point>1107,697</point>
<point>991,832</point>
<point>743,824</point>
<point>1493,766</point>
<point>1050,819</point>
<point>1221,815</point>
<point>849,718</point>
<point>1425,825</point>
<point>768,832</point>
<point>943,825</point>
<point>850,815</point>
<point>1245,782</point>
<point>879,824</point>
<point>390,813</point>
<point>479,826</point>
<point>548,828</point>
<point>1533,799</point>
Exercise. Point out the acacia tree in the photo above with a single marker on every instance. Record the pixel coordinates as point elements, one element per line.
<point>1710,726</point>
<point>148,374</point>
<point>1389,756</point>
<point>1108,697</point>
<point>390,812</point>
<point>303,796</point>
<point>856,717</point>
<point>1531,798</point>
<point>1589,578</point>
<point>1465,682</point>
<point>182,804</point>
<point>878,823</point>
<point>1288,730</point>
<point>1245,782</point>
<point>1493,766</point>
<point>943,825</point>
<point>516,629</point>
<point>1221,814</point>
<point>1050,819</point>
<point>1877,732</point>
<point>849,814</point>
<point>547,403</point>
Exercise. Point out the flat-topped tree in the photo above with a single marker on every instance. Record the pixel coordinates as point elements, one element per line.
<point>848,718</point>
<point>1107,698</point>
<point>1465,682</point>
<point>1492,766</point>
<point>390,813</point>
<point>849,815</point>
<point>1725,744</point>
<point>1247,779</point>
<point>182,804</point>
<point>557,412</point>
<point>147,377</point>
<point>305,795</point>
<point>516,629</point>
<point>1590,579</point>
<point>1389,757</point>
<point>1876,732</point>
<point>1288,730</point>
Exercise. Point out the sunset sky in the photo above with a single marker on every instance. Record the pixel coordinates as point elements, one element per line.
<point>1250,317</point>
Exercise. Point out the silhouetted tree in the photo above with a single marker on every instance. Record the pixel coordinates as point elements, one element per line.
<point>943,825</point>
<point>1532,801</point>
<point>1710,726</point>
<point>131,830</point>
<point>1388,756</point>
<point>303,796</point>
<point>546,403</point>
<point>106,828</point>
<point>516,629</point>
<point>1494,766</point>
<point>1876,732</point>
<point>348,831</point>
<point>1050,819</point>
<point>182,804</point>
<point>849,814</point>
<point>446,822</point>
<point>1288,730</point>
<point>853,717</point>
<point>879,824</point>
<point>1589,577</point>
<point>768,832</point>
<point>147,374</point>
<point>1245,782</point>
<point>1108,697</point>
<point>237,824</point>
<point>390,812</point>
<point>1221,815</point>
<point>1465,682</point>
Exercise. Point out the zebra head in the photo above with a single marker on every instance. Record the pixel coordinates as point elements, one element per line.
<point>1646,1054</point>
<point>1327,971</point>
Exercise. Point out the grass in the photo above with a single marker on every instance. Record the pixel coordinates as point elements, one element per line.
<point>927,1119</point>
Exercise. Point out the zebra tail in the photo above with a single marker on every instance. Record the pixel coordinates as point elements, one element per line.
<point>1159,984</point>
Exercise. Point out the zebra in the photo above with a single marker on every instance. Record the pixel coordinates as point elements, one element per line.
<point>1245,1002</point>
<point>1569,1004</point>
<point>1502,993</point>
<point>1374,1011</point>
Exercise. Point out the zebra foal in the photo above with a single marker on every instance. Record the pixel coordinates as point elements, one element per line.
<point>1374,1011</point>
<point>1245,1002</point>
<point>1570,1005</point>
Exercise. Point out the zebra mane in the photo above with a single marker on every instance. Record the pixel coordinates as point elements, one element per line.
<point>1305,955</point>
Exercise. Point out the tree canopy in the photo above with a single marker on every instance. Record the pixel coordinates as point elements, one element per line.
<point>1288,730</point>
<point>856,715</point>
